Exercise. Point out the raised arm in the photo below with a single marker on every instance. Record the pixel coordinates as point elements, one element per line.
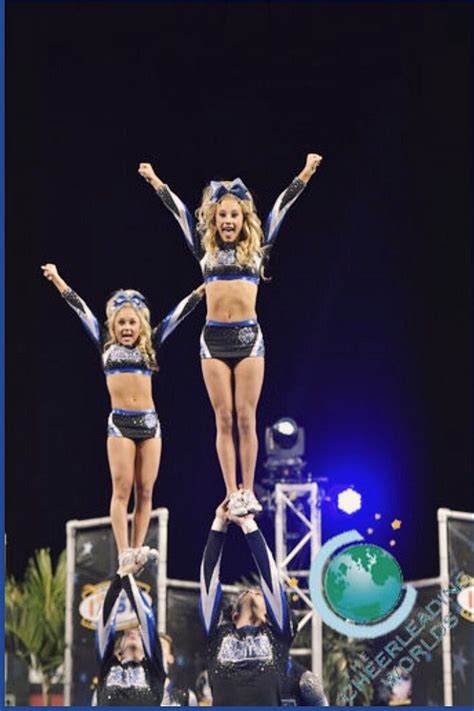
<point>176,315</point>
<point>275,598</point>
<point>88,319</point>
<point>105,632</point>
<point>286,199</point>
<point>146,618</point>
<point>211,590</point>
<point>176,207</point>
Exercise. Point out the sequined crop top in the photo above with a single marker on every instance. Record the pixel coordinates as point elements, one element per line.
<point>117,358</point>
<point>224,265</point>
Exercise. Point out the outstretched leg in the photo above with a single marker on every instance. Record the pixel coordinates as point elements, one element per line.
<point>218,380</point>
<point>147,462</point>
<point>248,375</point>
<point>121,453</point>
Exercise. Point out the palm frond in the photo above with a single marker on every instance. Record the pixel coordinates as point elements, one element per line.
<point>340,654</point>
<point>35,613</point>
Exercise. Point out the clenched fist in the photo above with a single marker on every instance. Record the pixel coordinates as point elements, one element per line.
<point>312,161</point>
<point>147,172</point>
<point>50,271</point>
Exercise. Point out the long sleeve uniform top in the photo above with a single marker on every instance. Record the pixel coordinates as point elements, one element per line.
<point>224,264</point>
<point>246,664</point>
<point>118,358</point>
<point>132,683</point>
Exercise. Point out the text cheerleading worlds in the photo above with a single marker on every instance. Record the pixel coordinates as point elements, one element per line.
<point>401,653</point>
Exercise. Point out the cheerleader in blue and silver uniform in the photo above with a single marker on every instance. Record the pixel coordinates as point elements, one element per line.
<point>131,671</point>
<point>127,345</point>
<point>231,246</point>
<point>248,654</point>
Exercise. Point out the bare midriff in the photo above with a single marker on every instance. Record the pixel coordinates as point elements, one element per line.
<point>130,391</point>
<point>231,300</point>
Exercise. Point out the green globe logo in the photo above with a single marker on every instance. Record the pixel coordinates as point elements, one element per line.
<point>363,583</point>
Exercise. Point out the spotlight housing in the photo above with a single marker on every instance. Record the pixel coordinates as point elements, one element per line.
<point>284,446</point>
<point>285,433</point>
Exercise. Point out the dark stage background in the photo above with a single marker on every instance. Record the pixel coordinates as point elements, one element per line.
<point>367,318</point>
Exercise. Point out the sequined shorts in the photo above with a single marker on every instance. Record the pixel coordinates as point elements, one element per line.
<point>232,340</point>
<point>134,424</point>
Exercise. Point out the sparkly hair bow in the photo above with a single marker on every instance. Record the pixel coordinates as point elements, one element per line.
<point>236,188</point>
<point>121,298</point>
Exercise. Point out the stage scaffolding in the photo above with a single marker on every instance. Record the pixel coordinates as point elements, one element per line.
<point>297,542</point>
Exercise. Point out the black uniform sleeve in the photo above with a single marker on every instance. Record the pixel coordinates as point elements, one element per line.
<point>105,632</point>
<point>88,319</point>
<point>146,619</point>
<point>282,204</point>
<point>211,590</point>
<point>275,598</point>
<point>174,318</point>
<point>184,217</point>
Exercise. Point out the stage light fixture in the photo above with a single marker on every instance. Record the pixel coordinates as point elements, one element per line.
<point>285,433</point>
<point>285,446</point>
<point>349,501</point>
<point>284,441</point>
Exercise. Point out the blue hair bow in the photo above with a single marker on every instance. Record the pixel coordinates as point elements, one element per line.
<point>236,188</point>
<point>136,299</point>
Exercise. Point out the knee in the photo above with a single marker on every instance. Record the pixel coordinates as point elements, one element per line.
<point>122,488</point>
<point>245,420</point>
<point>143,495</point>
<point>224,421</point>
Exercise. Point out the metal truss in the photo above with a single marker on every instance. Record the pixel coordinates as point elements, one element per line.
<point>297,542</point>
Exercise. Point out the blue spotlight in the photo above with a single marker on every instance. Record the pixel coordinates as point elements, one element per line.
<point>349,501</point>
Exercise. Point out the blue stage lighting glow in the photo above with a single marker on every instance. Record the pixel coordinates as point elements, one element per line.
<point>349,501</point>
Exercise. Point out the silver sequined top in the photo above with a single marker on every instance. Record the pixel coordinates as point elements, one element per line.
<point>117,358</point>
<point>224,265</point>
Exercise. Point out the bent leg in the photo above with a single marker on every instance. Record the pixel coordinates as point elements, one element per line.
<point>218,380</point>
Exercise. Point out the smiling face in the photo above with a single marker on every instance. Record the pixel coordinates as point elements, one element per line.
<point>126,326</point>
<point>229,219</point>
